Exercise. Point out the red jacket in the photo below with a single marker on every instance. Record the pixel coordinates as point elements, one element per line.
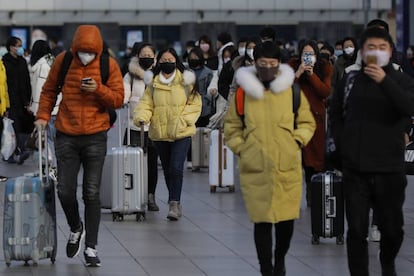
<point>316,91</point>
<point>82,113</point>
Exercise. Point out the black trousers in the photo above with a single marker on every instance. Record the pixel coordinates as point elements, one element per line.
<point>386,192</point>
<point>264,245</point>
<point>72,152</point>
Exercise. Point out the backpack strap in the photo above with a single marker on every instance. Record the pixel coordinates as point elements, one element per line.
<point>104,66</point>
<point>67,60</point>
<point>239,98</point>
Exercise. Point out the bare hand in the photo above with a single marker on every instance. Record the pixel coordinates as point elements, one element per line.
<point>213,91</point>
<point>89,86</point>
<point>375,72</point>
<point>309,70</point>
<point>40,122</point>
<point>300,70</point>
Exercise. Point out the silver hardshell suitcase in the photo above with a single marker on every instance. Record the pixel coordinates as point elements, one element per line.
<point>200,145</point>
<point>124,185</point>
<point>29,219</point>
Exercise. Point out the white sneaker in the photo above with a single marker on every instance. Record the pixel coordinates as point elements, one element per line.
<point>189,165</point>
<point>375,234</point>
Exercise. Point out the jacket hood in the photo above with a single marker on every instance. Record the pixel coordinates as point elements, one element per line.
<point>247,79</point>
<point>87,38</point>
<point>135,69</point>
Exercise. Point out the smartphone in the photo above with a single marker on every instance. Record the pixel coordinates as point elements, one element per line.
<point>86,80</point>
<point>307,59</point>
<point>371,60</point>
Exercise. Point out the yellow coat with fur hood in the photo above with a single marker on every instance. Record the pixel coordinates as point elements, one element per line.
<point>269,147</point>
<point>166,105</point>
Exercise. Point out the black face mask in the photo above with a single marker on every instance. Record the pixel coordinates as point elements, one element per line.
<point>167,67</point>
<point>194,63</point>
<point>267,74</point>
<point>145,63</point>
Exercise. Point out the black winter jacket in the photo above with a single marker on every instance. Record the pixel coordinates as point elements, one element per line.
<point>18,81</point>
<point>369,129</point>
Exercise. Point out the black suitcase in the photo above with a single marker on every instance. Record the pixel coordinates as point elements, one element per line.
<point>327,208</point>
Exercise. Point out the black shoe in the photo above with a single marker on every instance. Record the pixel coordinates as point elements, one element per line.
<point>152,205</point>
<point>3,178</point>
<point>11,160</point>
<point>74,243</point>
<point>91,257</point>
<point>23,157</point>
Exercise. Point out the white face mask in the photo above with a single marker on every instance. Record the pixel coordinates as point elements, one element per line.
<point>249,52</point>
<point>86,58</point>
<point>225,60</point>
<point>383,57</point>
<point>349,50</point>
<point>242,51</point>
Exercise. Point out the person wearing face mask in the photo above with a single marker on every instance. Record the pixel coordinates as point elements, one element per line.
<point>371,109</point>
<point>20,92</point>
<point>313,74</point>
<point>350,50</point>
<point>172,106</point>
<point>226,75</point>
<point>209,54</point>
<point>81,139</point>
<point>134,87</point>
<point>268,147</point>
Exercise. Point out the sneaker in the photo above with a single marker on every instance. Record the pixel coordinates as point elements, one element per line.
<point>180,209</point>
<point>74,243</point>
<point>189,165</point>
<point>152,205</point>
<point>3,178</point>
<point>11,160</point>
<point>91,257</point>
<point>173,213</point>
<point>375,234</point>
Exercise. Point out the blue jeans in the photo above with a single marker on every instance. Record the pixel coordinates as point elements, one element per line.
<point>72,152</point>
<point>172,155</point>
<point>386,192</point>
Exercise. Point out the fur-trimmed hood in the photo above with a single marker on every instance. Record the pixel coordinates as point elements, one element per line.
<point>189,77</point>
<point>135,69</point>
<point>247,79</point>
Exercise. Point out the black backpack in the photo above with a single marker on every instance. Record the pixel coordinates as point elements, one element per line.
<point>104,68</point>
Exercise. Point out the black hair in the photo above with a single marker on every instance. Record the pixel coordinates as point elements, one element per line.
<point>142,45</point>
<point>267,49</point>
<point>178,62</point>
<point>267,33</point>
<point>378,23</point>
<point>339,42</point>
<point>12,41</point>
<point>190,43</point>
<point>197,51</point>
<point>317,68</point>
<point>207,39</point>
<point>40,49</point>
<point>242,39</point>
<point>329,48</point>
<point>375,32</point>
<point>232,49</point>
<point>224,38</point>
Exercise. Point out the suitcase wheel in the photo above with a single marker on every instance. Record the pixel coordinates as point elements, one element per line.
<point>231,189</point>
<point>34,264</point>
<point>212,189</point>
<point>8,264</point>
<point>340,240</point>
<point>140,217</point>
<point>26,263</point>
<point>53,260</point>
<point>117,217</point>
<point>315,239</point>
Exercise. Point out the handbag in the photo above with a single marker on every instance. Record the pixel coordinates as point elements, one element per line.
<point>8,138</point>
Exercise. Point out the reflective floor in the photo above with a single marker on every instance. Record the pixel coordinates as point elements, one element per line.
<point>214,237</point>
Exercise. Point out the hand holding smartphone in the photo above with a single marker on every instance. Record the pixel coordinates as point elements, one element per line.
<point>86,80</point>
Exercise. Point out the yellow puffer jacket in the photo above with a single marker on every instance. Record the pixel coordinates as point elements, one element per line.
<point>4,94</point>
<point>268,145</point>
<point>172,109</point>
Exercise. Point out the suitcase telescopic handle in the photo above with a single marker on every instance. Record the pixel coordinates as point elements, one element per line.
<point>42,135</point>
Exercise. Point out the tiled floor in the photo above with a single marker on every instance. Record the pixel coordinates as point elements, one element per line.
<point>214,237</point>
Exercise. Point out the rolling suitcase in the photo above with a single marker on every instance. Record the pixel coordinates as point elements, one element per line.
<point>327,209</point>
<point>221,163</point>
<point>124,185</point>
<point>29,219</point>
<point>200,148</point>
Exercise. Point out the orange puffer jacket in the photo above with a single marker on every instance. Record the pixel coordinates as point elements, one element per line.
<point>80,112</point>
